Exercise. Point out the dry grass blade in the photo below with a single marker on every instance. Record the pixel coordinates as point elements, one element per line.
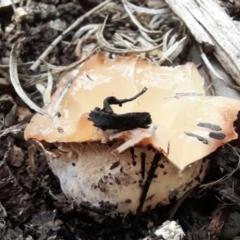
<point>46,92</point>
<point>27,64</point>
<point>33,79</point>
<point>135,21</point>
<point>165,39</point>
<point>55,107</point>
<point>60,37</point>
<point>150,11</point>
<point>90,28</point>
<point>13,6</point>
<point>209,65</point>
<point>149,39</point>
<point>172,52</point>
<point>16,84</point>
<point>212,70</point>
<point>105,45</point>
<point>13,129</point>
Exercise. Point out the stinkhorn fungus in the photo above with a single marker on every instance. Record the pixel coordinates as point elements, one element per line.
<point>132,135</point>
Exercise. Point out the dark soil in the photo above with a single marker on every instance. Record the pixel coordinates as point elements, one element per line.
<point>32,205</point>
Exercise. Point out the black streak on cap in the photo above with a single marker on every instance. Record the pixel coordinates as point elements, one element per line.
<point>210,126</point>
<point>217,136</point>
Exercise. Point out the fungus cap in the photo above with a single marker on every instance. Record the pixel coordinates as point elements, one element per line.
<point>187,126</point>
<point>175,99</point>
